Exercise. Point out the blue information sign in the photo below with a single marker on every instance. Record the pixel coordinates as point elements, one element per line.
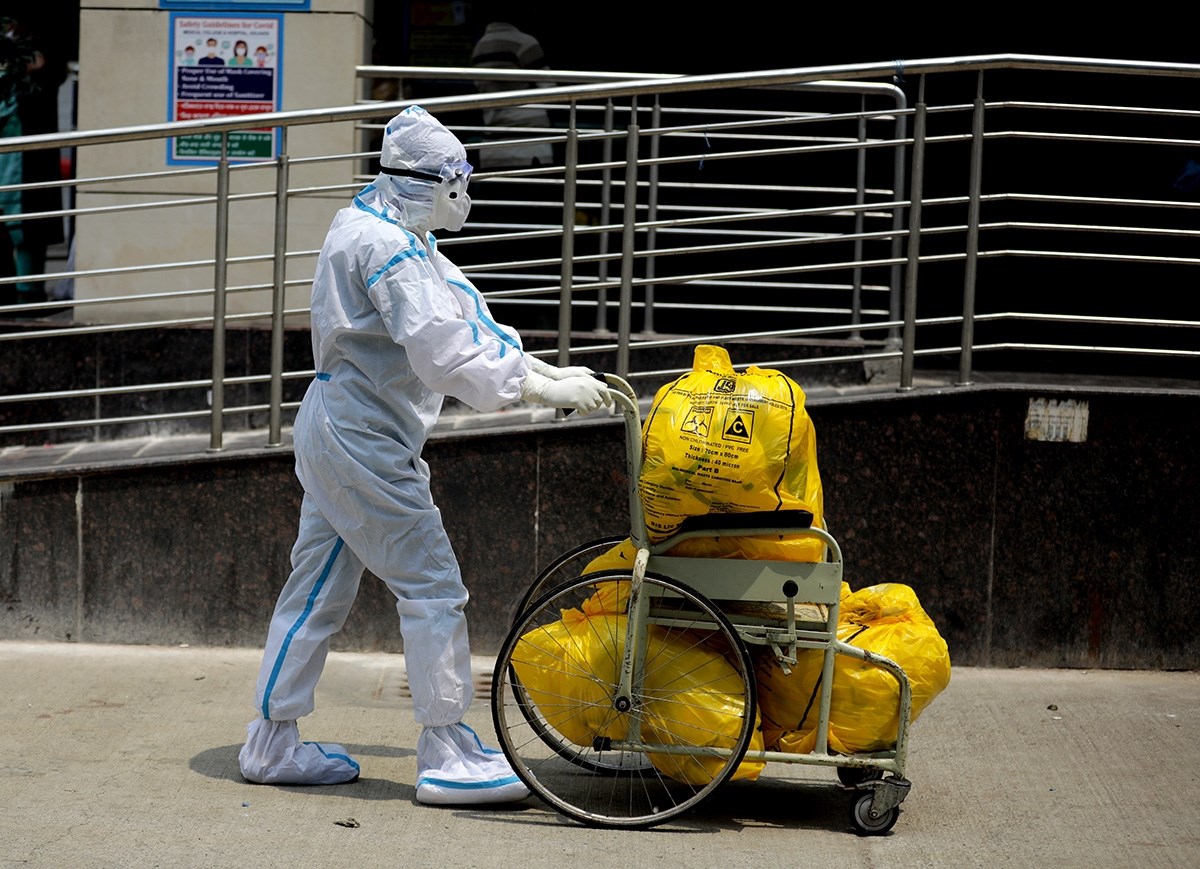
<point>225,65</point>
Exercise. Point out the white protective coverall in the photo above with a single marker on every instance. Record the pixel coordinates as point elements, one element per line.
<point>395,326</point>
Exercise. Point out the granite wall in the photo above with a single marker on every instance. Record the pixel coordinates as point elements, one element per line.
<point>1024,552</point>
<point>141,361</point>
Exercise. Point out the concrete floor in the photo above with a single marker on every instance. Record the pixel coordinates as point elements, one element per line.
<point>126,756</point>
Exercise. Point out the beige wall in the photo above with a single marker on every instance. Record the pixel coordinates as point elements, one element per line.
<point>123,81</point>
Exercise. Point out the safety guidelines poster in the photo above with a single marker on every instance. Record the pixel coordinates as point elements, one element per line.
<point>222,66</point>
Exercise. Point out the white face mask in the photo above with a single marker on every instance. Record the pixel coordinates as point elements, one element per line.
<point>450,210</point>
<point>452,205</point>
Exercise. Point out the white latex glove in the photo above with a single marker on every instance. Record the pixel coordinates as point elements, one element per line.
<point>554,372</point>
<point>580,393</point>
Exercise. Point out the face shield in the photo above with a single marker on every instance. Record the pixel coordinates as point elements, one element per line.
<point>451,202</point>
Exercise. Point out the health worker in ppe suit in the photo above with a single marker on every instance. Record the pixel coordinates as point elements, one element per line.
<point>395,327</point>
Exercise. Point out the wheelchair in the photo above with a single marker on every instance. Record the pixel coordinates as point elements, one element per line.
<point>625,697</point>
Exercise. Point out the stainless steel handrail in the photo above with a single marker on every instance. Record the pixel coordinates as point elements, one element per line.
<point>878,227</point>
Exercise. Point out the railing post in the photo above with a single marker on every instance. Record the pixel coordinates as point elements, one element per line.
<point>908,350</point>
<point>860,198</point>
<point>605,217</point>
<point>898,217</point>
<point>973,201</point>
<point>219,277</point>
<point>567,274</point>
<point>625,312</point>
<point>275,422</point>
<point>651,215</point>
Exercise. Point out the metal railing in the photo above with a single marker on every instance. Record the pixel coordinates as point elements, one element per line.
<point>1014,216</point>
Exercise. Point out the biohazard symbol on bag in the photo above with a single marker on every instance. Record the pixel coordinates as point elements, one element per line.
<point>721,441</point>
<point>698,422</point>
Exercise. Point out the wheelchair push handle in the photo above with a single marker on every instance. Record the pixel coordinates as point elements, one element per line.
<point>616,384</point>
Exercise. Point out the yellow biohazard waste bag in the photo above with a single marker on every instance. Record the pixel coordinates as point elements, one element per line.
<point>864,710</point>
<point>721,441</point>
<point>620,557</point>
<point>694,700</point>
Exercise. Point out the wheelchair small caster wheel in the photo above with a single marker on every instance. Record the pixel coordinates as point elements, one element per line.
<point>862,820</point>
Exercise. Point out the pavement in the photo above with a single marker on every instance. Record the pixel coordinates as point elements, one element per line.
<point>126,756</point>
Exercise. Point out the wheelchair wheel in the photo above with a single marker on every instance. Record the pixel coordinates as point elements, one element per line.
<point>559,572</point>
<point>566,726</point>
<point>570,565</point>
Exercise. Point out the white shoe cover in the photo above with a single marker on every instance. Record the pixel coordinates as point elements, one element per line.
<point>274,755</point>
<point>454,768</point>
